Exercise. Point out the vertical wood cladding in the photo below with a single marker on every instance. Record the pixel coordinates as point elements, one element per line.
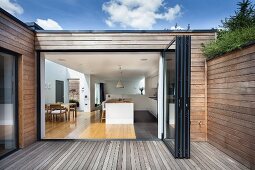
<point>18,38</point>
<point>231,104</point>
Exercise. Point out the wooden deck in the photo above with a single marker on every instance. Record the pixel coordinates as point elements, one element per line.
<point>115,155</point>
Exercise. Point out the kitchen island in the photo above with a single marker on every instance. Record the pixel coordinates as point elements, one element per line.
<point>119,111</point>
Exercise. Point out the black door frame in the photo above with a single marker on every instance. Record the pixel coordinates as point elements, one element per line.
<point>182,99</point>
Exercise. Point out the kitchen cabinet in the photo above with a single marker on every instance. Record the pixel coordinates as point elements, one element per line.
<point>119,111</point>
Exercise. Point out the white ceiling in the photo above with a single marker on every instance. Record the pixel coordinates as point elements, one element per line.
<point>105,65</point>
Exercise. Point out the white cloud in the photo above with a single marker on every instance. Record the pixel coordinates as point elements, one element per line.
<point>171,13</point>
<point>177,28</point>
<point>11,7</point>
<point>48,24</point>
<point>138,14</point>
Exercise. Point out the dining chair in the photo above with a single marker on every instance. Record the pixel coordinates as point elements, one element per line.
<point>47,112</point>
<point>56,110</point>
<point>73,109</point>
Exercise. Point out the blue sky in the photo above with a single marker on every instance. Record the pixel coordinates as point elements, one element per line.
<point>121,14</point>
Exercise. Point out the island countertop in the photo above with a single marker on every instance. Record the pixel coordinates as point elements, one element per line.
<point>119,101</point>
<point>119,111</point>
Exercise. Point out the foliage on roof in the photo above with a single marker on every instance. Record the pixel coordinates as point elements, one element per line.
<point>237,31</point>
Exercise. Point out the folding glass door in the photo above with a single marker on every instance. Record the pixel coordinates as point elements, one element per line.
<point>177,97</point>
<point>8,109</point>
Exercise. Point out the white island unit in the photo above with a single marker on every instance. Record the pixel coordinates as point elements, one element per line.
<point>119,111</point>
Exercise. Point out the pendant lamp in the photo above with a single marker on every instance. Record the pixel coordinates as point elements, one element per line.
<point>120,84</point>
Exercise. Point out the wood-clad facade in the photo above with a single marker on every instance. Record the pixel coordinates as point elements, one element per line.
<point>87,40</point>
<point>231,109</point>
<point>154,40</point>
<point>222,89</point>
<point>17,37</point>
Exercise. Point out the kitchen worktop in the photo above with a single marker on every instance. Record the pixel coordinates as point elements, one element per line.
<point>154,97</point>
<point>119,101</point>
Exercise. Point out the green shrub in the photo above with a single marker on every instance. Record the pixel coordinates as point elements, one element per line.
<point>237,31</point>
<point>74,101</point>
<point>244,17</point>
<point>229,41</point>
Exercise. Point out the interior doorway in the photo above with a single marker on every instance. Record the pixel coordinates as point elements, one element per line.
<point>59,91</point>
<point>74,92</point>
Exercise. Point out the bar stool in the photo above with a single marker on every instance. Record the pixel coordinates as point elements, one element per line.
<point>103,111</point>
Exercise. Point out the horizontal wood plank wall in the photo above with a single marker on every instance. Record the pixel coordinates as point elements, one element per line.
<point>231,104</point>
<point>18,38</point>
<point>72,41</point>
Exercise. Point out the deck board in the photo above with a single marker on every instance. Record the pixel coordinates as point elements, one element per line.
<point>115,155</point>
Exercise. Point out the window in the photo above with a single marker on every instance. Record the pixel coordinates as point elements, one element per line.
<point>8,109</point>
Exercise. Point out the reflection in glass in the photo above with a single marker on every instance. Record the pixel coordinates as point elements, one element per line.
<point>169,113</point>
<point>7,104</point>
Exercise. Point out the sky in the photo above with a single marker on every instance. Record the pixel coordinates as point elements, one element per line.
<point>121,14</point>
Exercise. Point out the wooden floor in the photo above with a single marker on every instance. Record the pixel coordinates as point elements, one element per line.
<point>104,131</point>
<point>87,126</point>
<point>115,155</point>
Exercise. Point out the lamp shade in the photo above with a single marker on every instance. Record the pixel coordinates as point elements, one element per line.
<point>119,85</point>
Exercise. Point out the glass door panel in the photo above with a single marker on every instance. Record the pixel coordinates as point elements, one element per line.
<point>170,98</point>
<point>177,97</point>
<point>8,140</point>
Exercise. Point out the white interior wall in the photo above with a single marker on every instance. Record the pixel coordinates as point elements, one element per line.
<point>161,97</point>
<point>54,72</point>
<point>130,87</point>
<point>151,85</point>
<point>86,95</point>
<point>93,80</point>
<point>141,102</point>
